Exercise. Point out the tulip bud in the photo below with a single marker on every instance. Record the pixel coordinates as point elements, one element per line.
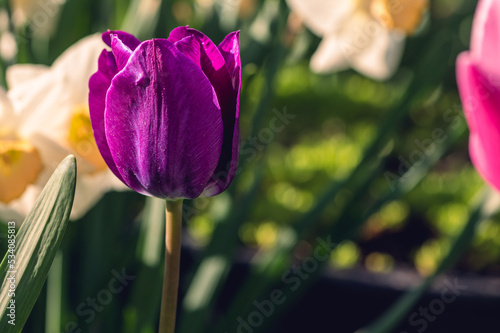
<point>165,112</point>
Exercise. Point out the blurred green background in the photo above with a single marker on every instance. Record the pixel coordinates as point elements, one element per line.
<point>335,169</point>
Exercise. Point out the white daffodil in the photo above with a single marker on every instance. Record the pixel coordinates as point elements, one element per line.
<point>366,35</point>
<point>47,110</point>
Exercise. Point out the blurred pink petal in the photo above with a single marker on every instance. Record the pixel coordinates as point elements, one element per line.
<point>478,78</point>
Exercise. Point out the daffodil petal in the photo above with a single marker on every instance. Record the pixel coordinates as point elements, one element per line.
<point>323,16</point>
<point>381,58</point>
<point>329,56</point>
<point>21,73</point>
<point>85,53</point>
<point>31,100</point>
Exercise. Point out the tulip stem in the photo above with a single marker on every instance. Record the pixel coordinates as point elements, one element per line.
<point>173,233</point>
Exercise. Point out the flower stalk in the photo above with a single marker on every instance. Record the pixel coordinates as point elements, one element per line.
<point>173,232</point>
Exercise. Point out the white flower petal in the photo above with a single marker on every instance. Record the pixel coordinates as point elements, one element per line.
<point>18,74</point>
<point>329,56</point>
<point>381,58</point>
<point>323,16</point>
<point>337,49</point>
<point>43,105</point>
<point>77,64</point>
<point>8,46</point>
<point>352,37</point>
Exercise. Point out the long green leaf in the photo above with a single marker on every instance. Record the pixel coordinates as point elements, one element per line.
<point>36,244</point>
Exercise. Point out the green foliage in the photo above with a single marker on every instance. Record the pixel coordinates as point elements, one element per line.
<point>335,170</point>
<point>26,264</point>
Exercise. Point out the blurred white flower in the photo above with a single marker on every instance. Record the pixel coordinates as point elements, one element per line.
<point>366,35</point>
<point>47,109</point>
<point>40,14</point>
<point>8,44</point>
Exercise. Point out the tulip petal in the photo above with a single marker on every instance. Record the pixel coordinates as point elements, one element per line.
<point>178,33</point>
<point>121,51</point>
<point>222,66</point>
<point>190,48</point>
<point>163,123</point>
<point>485,47</point>
<point>230,50</point>
<point>99,84</point>
<point>228,164</point>
<point>212,62</point>
<point>127,39</point>
<point>480,99</point>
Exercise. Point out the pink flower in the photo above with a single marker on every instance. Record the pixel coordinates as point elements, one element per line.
<point>478,77</point>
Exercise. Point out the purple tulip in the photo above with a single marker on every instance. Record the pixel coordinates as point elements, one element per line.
<point>478,78</point>
<point>165,112</point>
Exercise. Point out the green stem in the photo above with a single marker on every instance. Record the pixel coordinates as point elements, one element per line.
<point>172,262</point>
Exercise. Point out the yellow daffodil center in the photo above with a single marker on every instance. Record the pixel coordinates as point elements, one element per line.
<point>404,15</point>
<point>20,165</point>
<point>81,138</point>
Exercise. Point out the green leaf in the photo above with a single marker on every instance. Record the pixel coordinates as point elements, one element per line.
<point>36,245</point>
